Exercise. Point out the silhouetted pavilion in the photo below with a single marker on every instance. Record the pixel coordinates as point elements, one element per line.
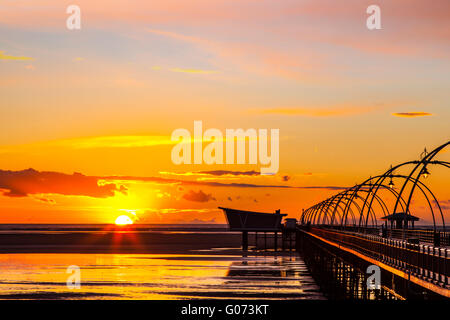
<point>400,218</point>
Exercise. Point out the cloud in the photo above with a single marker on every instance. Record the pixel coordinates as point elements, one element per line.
<point>260,59</point>
<point>411,23</point>
<point>3,56</point>
<point>160,180</point>
<point>96,142</point>
<point>200,221</point>
<point>117,142</point>
<point>26,182</point>
<point>45,200</point>
<point>194,71</point>
<point>199,196</point>
<point>177,215</point>
<point>444,204</point>
<point>411,114</point>
<point>215,173</point>
<point>230,173</point>
<point>32,182</point>
<point>179,211</point>
<point>178,36</point>
<point>131,141</point>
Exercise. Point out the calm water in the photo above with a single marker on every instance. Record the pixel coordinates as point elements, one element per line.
<point>148,276</point>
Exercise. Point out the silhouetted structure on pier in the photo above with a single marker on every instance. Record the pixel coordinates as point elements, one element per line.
<point>401,220</point>
<point>254,222</point>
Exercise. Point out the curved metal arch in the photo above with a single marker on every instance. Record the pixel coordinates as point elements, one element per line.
<point>421,187</point>
<point>370,209</point>
<point>378,184</point>
<point>424,162</point>
<point>337,205</point>
<point>321,212</point>
<point>310,215</point>
<point>350,201</point>
<point>359,188</point>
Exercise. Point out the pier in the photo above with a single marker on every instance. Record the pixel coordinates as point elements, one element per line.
<point>365,226</point>
<point>340,237</point>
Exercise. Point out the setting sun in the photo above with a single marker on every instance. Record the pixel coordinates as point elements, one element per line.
<point>123,220</point>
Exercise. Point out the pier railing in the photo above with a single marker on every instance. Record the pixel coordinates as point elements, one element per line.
<point>423,261</point>
<point>424,236</point>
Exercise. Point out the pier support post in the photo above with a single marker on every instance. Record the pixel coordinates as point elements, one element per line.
<point>265,241</point>
<point>275,247</point>
<point>244,240</point>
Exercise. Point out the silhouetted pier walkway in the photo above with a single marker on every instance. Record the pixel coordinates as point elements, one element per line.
<point>426,266</point>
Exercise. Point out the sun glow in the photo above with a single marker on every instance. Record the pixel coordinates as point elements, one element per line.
<point>123,220</point>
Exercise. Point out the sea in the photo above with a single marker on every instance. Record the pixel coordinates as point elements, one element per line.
<point>194,274</point>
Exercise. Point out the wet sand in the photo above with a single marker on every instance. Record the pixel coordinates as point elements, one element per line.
<point>156,276</point>
<point>147,264</point>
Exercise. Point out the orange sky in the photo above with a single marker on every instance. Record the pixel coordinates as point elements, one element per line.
<point>103,102</point>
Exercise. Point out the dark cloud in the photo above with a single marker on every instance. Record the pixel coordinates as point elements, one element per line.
<point>200,221</point>
<point>230,173</point>
<point>444,204</point>
<point>411,114</point>
<point>212,183</point>
<point>199,196</point>
<point>25,182</point>
<point>46,200</point>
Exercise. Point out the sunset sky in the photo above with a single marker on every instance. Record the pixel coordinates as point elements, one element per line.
<point>86,116</point>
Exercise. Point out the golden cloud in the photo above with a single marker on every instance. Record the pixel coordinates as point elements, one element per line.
<point>195,71</point>
<point>3,56</point>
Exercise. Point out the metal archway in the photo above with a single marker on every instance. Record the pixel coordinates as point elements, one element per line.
<point>350,203</point>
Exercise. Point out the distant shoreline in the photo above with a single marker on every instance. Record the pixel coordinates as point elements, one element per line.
<point>119,242</point>
<point>106,226</point>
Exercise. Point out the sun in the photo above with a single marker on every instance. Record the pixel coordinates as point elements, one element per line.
<point>123,220</point>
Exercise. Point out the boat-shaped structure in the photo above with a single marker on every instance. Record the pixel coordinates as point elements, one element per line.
<point>241,220</point>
